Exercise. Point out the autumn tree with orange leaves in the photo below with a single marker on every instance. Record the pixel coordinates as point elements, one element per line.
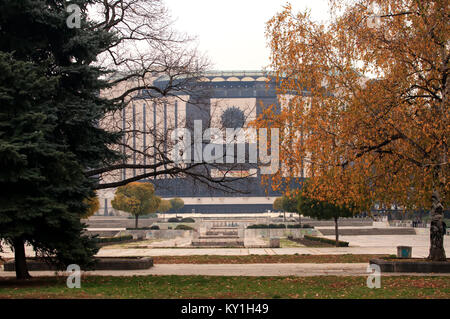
<point>93,206</point>
<point>366,116</point>
<point>137,199</point>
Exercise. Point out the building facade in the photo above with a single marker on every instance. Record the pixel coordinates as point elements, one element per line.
<point>217,99</point>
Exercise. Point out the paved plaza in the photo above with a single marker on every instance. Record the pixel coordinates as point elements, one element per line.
<point>385,244</point>
<point>368,244</point>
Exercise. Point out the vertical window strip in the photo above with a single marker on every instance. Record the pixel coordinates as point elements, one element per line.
<point>144,130</point>
<point>134,139</point>
<point>124,172</point>
<point>165,132</point>
<point>154,136</point>
<point>176,114</point>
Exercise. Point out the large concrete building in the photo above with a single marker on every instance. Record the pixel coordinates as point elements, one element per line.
<point>217,99</point>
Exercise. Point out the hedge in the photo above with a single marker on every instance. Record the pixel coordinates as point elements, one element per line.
<point>154,227</point>
<point>326,240</point>
<point>181,220</point>
<point>261,226</point>
<point>183,227</point>
<point>300,226</point>
<point>277,226</point>
<point>112,239</point>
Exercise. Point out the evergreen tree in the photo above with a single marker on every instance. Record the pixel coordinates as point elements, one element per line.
<point>49,134</point>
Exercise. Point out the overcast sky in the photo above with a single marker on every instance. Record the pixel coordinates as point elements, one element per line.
<point>231,32</point>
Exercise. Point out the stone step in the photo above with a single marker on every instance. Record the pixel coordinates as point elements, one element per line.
<point>209,243</point>
<point>125,223</point>
<point>224,233</point>
<point>218,237</point>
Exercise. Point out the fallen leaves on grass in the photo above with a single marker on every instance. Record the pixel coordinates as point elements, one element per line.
<point>261,259</point>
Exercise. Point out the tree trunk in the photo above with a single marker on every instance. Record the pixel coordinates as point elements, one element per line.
<point>136,218</point>
<point>336,230</point>
<point>437,251</point>
<point>20,259</point>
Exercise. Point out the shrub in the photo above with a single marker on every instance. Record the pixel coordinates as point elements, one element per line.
<point>326,240</point>
<point>256,226</point>
<point>188,220</point>
<point>183,227</point>
<point>174,220</point>
<point>154,227</point>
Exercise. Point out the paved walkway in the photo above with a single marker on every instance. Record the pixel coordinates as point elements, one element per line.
<point>365,244</point>
<point>418,251</point>
<point>301,270</point>
<point>244,251</point>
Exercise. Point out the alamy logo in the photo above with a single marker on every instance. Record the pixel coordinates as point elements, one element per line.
<point>74,19</point>
<point>74,279</point>
<point>374,279</point>
<point>373,21</point>
<point>213,152</point>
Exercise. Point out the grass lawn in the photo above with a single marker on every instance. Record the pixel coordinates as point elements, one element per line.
<point>169,287</point>
<point>262,259</point>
